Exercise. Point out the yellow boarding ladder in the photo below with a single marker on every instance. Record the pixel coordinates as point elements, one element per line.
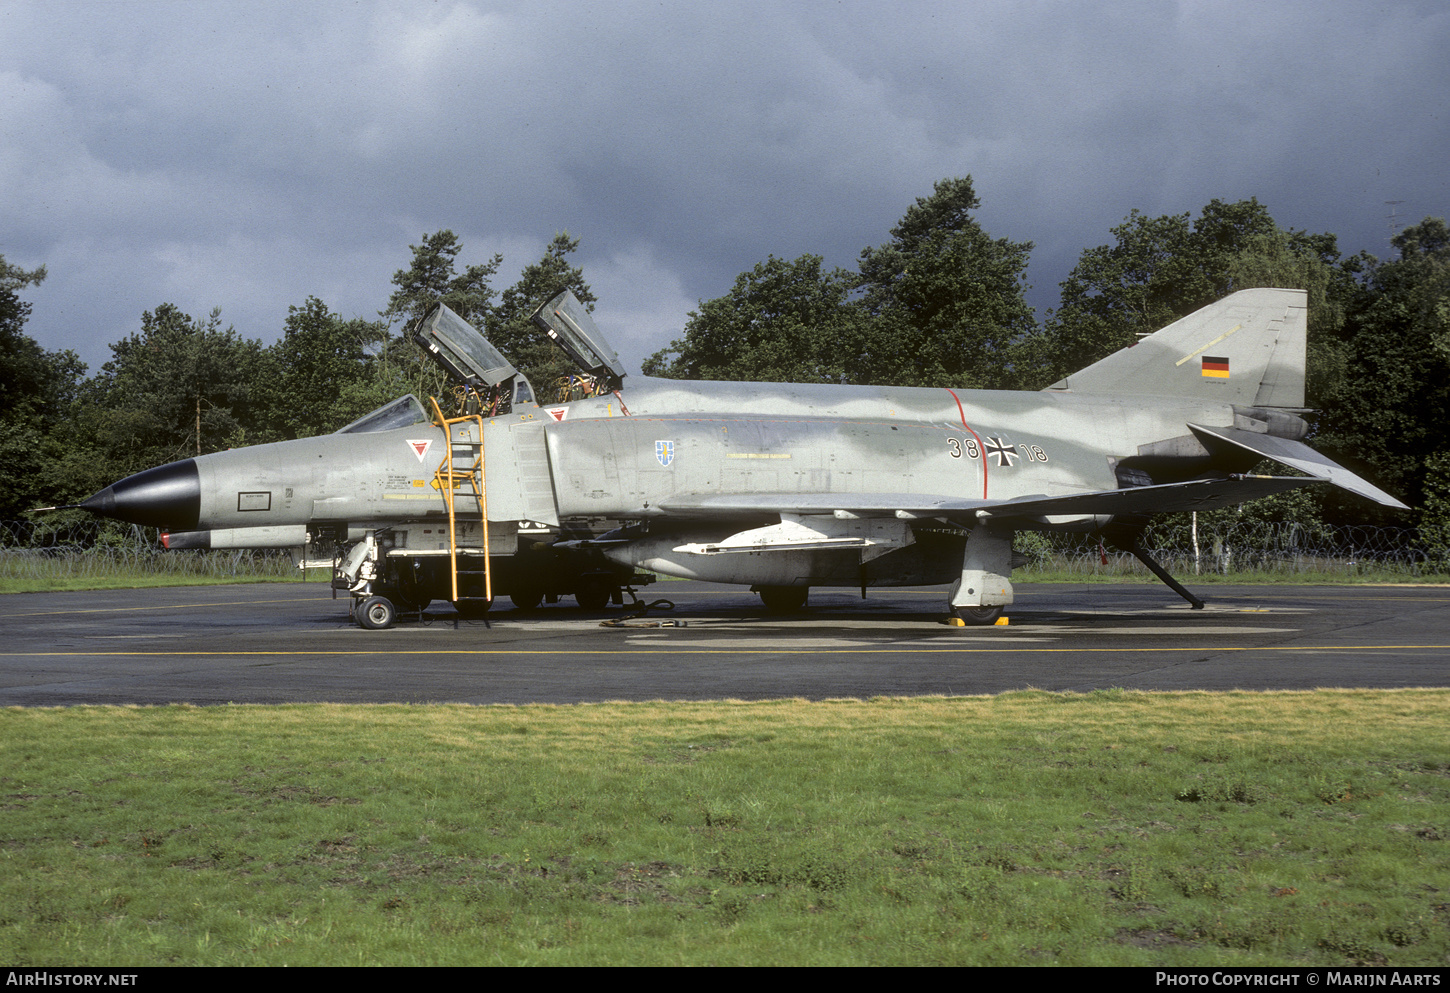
<point>449,478</point>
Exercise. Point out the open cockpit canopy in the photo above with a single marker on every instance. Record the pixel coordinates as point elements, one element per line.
<point>464,354</point>
<point>471,361</point>
<point>568,324</point>
<point>491,384</point>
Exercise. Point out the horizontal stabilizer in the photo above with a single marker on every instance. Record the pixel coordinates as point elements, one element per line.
<point>1296,455</point>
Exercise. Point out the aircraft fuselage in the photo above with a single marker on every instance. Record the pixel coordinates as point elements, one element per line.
<point>629,456</point>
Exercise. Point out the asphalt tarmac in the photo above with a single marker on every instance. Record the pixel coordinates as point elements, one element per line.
<point>291,642</point>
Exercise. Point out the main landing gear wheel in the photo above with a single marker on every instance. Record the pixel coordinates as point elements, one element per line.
<point>526,598</point>
<point>784,599</point>
<point>593,595</point>
<point>376,613</point>
<point>978,615</point>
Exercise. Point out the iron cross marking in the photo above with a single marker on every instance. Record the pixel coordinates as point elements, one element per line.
<point>1003,453</point>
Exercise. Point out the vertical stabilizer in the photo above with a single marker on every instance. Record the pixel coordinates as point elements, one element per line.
<point>1247,349</point>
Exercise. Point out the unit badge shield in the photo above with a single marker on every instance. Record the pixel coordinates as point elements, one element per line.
<point>665,452</point>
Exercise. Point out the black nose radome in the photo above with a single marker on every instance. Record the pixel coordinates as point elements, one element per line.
<point>168,496</point>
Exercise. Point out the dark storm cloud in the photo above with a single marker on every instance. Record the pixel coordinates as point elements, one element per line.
<point>247,156</point>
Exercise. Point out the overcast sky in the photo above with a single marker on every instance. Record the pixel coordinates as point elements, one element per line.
<point>249,155</point>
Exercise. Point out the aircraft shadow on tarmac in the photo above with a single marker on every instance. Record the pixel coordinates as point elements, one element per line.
<point>884,613</point>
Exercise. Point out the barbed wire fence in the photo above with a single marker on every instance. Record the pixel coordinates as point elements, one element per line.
<point>1251,547</point>
<point>41,550</point>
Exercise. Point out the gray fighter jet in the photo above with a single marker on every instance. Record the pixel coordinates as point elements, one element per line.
<point>777,486</point>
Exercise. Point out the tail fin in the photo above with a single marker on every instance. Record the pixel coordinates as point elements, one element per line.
<point>1247,348</point>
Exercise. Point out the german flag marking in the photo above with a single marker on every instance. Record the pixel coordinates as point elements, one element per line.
<point>1215,367</point>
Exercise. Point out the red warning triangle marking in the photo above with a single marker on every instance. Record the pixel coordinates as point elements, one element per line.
<point>557,413</point>
<point>420,448</point>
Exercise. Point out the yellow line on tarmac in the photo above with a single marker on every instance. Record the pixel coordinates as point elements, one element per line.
<point>686,650</point>
<point>1317,596</point>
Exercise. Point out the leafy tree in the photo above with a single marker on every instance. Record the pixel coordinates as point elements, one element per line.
<point>179,387</point>
<point>37,388</point>
<point>508,326</point>
<point>939,304</point>
<point>946,299</point>
<point>1390,409</point>
<point>34,383</point>
<point>432,278</point>
<point>782,322</point>
<point>315,377</point>
<point>23,369</point>
<point>1435,520</point>
<point>1119,291</point>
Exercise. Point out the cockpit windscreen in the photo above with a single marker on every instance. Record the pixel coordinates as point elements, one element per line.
<point>401,413</point>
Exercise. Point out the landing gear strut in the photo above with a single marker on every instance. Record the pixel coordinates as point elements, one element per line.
<point>1130,544</point>
<point>984,587</point>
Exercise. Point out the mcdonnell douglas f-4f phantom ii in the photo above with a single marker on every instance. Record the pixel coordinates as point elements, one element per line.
<point>778,486</point>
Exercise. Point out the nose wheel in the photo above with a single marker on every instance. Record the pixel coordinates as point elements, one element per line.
<point>376,613</point>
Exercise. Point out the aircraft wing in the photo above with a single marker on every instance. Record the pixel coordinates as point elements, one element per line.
<point>1166,498</point>
<point>1197,494</point>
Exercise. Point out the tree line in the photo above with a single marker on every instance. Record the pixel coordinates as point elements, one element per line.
<point>940,303</point>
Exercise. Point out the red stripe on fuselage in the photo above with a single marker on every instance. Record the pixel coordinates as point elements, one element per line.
<point>980,449</point>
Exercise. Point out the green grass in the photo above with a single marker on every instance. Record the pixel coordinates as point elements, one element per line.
<point>144,579</point>
<point>1029,828</point>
